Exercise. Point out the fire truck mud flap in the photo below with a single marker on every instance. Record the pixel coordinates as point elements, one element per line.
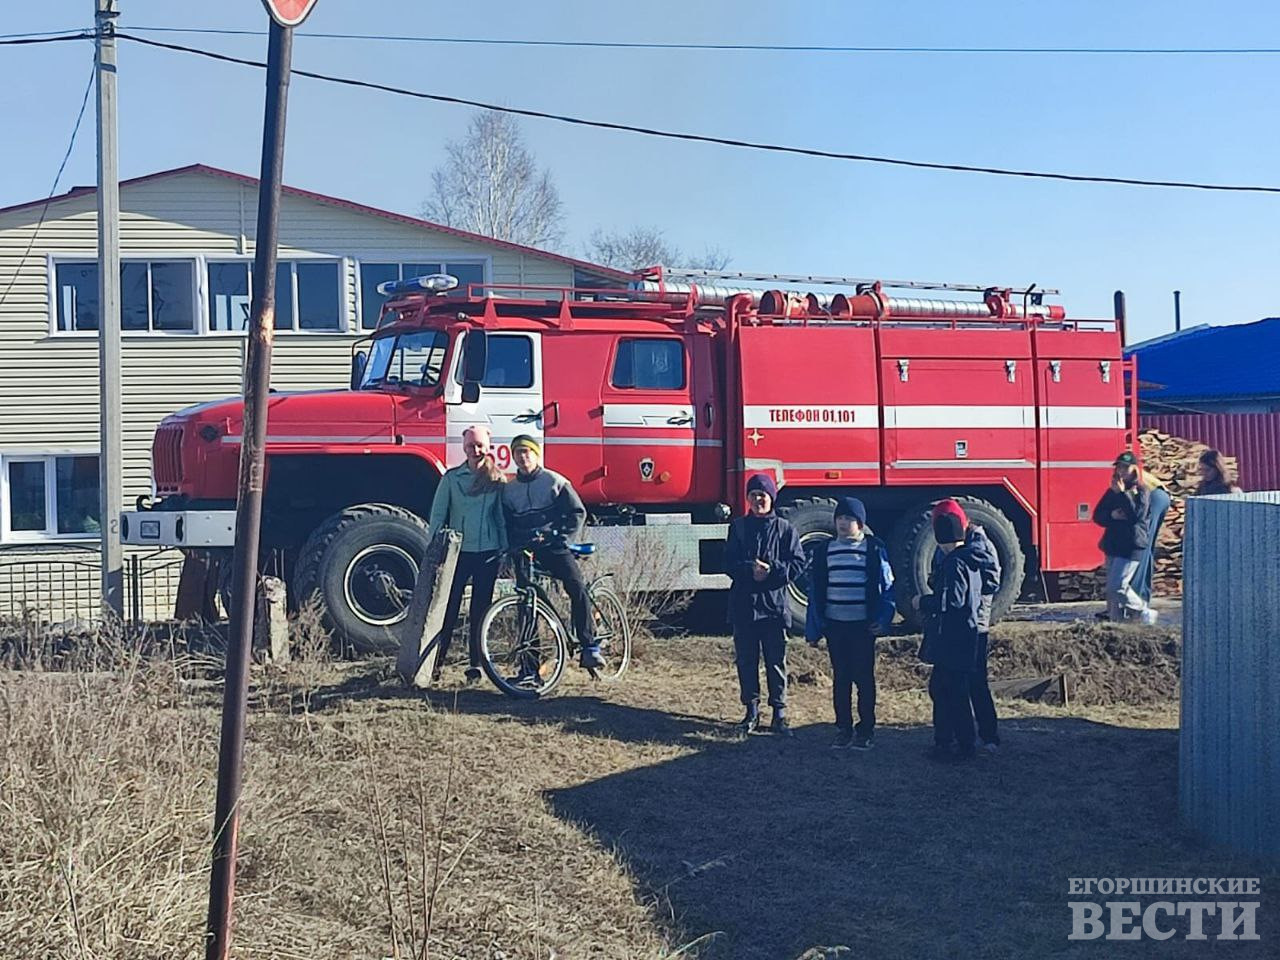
<point>361,565</point>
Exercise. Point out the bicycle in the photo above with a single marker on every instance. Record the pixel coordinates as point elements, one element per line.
<point>525,644</point>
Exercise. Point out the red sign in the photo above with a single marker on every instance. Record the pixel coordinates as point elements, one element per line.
<point>288,13</point>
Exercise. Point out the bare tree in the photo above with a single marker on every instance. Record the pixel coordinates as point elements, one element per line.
<point>491,185</point>
<point>646,247</point>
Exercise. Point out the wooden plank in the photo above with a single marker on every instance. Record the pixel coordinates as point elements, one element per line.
<point>1051,689</point>
<point>418,647</point>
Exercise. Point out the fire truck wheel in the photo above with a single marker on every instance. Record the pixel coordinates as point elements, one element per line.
<point>362,563</point>
<point>911,553</point>
<point>814,520</point>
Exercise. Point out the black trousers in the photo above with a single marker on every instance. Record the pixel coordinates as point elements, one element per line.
<point>852,648</point>
<point>481,569</point>
<point>952,715</point>
<point>984,708</point>
<point>560,563</point>
<point>750,642</point>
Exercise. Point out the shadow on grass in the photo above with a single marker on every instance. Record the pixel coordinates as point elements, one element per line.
<point>780,847</point>
<point>784,847</point>
<point>587,715</point>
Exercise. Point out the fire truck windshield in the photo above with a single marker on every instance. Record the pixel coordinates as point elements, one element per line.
<point>411,359</point>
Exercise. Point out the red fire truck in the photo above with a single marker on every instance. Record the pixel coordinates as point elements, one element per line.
<point>658,402</point>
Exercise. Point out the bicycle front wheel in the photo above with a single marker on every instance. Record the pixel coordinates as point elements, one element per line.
<point>523,647</point>
<point>612,631</point>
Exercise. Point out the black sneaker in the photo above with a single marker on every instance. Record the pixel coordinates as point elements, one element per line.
<point>591,658</point>
<point>749,724</point>
<point>843,740</point>
<point>472,675</point>
<point>861,743</point>
<point>780,726</point>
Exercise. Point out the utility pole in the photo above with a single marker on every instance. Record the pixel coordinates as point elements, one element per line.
<point>285,14</point>
<point>110,457</point>
<point>1177,311</point>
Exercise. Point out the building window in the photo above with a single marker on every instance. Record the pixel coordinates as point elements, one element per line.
<point>308,295</point>
<point>49,497</point>
<point>156,296</point>
<point>649,365</point>
<point>372,274</point>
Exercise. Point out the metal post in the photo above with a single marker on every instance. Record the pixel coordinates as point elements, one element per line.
<point>257,377</point>
<point>110,457</point>
<point>1177,311</point>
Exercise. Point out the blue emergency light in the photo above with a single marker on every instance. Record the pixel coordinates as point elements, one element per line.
<point>433,283</point>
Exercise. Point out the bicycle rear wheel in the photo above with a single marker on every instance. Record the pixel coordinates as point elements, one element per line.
<point>612,630</point>
<point>523,647</point>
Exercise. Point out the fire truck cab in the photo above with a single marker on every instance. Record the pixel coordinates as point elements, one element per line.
<point>658,402</point>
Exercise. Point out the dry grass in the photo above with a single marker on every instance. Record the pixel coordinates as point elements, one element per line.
<point>607,822</point>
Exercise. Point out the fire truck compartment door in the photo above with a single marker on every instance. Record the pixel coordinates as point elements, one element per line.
<point>511,396</point>
<point>649,421</point>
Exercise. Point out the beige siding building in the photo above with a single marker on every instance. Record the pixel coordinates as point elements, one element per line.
<point>187,245</point>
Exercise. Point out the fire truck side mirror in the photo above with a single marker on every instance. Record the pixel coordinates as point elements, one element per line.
<point>475,360</point>
<point>359,360</point>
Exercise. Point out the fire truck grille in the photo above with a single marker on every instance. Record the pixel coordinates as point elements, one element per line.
<point>166,459</point>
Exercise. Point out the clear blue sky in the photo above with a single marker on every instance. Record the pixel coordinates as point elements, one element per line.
<point>1205,118</point>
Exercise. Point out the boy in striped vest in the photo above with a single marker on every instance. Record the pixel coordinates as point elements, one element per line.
<point>851,603</point>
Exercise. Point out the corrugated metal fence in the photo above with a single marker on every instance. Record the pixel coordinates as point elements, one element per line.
<point>1252,438</point>
<point>1229,752</point>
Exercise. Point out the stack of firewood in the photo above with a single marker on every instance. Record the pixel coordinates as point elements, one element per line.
<point>1176,464</point>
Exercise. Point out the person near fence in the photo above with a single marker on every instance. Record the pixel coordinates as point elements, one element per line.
<point>469,500</point>
<point>1215,478</point>
<point>544,513</point>
<point>984,555</point>
<point>1123,512</point>
<point>950,614</point>
<point>851,602</point>
<point>1160,503</point>
<point>762,555</point>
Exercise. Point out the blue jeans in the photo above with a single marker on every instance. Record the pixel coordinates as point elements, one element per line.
<point>1160,502</point>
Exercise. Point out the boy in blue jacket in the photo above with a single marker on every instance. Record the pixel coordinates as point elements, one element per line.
<point>851,603</point>
<point>762,555</point>
<point>951,639</point>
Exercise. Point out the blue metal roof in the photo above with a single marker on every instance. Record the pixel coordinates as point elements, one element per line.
<point>1204,362</point>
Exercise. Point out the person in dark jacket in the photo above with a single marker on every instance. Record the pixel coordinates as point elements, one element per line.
<point>762,555</point>
<point>951,640</point>
<point>851,603</point>
<point>984,554</point>
<point>543,513</point>
<point>1215,478</point>
<point>1123,513</point>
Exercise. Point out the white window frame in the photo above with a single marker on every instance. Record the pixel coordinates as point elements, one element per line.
<point>49,459</point>
<point>197,287</point>
<point>400,259</point>
<point>344,294</point>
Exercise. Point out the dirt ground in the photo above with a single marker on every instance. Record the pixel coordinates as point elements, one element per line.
<point>609,821</point>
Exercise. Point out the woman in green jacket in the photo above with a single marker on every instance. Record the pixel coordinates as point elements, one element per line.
<point>469,500</point>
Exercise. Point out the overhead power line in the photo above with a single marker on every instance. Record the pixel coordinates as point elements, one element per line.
<point>720,141</point>
<point>31,39</point>
<point>741,47</point>
<point>57,179</point>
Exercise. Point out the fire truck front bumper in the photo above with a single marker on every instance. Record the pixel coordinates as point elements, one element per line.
<point>190,529</point>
